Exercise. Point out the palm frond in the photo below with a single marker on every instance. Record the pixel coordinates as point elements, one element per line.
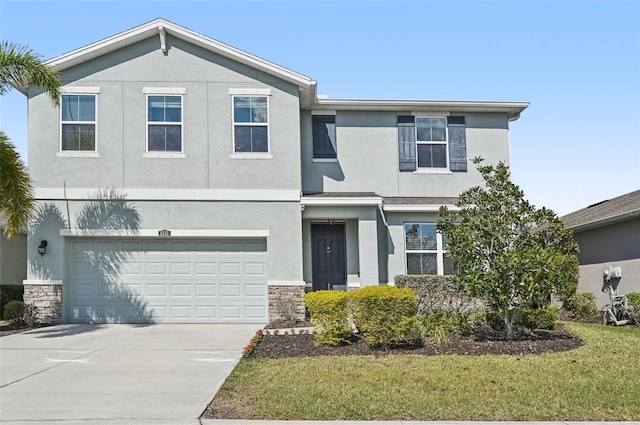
<point>20,66</point>
<point>16,193</point>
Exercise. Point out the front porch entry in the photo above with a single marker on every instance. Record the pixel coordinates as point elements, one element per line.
<point>328,256</point>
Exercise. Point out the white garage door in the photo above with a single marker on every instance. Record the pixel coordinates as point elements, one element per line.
<point>166,281</point>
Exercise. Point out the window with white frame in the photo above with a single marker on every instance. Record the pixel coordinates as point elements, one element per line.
<point>431,141</point>
<point>424,250</point>
<point>164,123</point>
<point>78,122</point>
<point>250,124</point>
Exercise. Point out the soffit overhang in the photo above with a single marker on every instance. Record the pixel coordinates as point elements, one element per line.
<point>160,27</point>
<point>512,109</point>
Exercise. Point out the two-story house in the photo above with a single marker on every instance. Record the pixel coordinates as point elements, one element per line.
<point>184,180</point>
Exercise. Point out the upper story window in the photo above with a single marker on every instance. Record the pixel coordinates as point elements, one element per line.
<point>424,250</point>
<point>431,139</point>
<point>250,124</point>
<point>432,143</point>
<point>78,121</point>
<point>164,123</point>
<point>324,137</point>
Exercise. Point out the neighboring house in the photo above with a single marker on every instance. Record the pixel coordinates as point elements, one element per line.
<point>184,180</point>
<point>608,234</point>
<point>13,257</point>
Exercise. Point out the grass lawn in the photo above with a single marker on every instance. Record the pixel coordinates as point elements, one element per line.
<point>598,381</point>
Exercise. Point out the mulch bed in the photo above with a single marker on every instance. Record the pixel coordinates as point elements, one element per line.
<point>8,329</point>
<point>536,342</point>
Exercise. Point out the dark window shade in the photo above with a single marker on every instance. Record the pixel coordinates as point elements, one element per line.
<point>324,136</point>
<point>457,143</point>
<point>406,143</point>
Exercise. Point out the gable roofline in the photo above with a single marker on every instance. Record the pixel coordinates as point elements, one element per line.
<point>512,109</point>
<point>622,208</point>
<point>161,27</point>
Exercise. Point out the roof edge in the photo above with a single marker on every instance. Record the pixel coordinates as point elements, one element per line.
<point>148,29</point>
<point>629,215</point>
<point>513,109</point>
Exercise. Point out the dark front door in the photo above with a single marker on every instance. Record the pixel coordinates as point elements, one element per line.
<point>329,259</point>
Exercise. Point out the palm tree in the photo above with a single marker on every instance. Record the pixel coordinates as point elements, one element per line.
<point>20,66</point>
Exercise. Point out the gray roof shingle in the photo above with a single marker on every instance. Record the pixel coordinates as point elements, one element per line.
<point>617,209</point>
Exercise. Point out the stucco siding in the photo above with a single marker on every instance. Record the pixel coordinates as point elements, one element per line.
<point>207,124</point>
<point>282,220</point>
<point>367,151</point>
<point>13,259</point>
<point>615,245</point>
<point>591,279</point>
<point>615,242</point>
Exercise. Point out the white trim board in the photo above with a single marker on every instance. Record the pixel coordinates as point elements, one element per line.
<point>286,283</point>
<point>417,208</point>
<point>341,201</point>
<point>175,233</point>
<point>42,282</point>
<point>249,195</point>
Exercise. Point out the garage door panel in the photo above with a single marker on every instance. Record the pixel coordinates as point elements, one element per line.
<point>230,269</point>
<point>256,290</point>
<point>133,281</point>
<point>156,268</point>
<point>230,290</point>
<point>180,268</point>
<point>230,312</point>
<point>205,269</point>
<point>255,269</point>
<point>206,312</point>
<point>180,290</point>
<point>156,290</point>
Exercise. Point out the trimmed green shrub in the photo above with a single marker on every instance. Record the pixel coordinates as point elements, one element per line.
<point>329,313</point>
<point>19,313</point>
<point>14,311</point>
<point>384,314</point>
<point>543,318</point>
<point>633,299</point>
<point>10,293</point>
<point>583,304</point>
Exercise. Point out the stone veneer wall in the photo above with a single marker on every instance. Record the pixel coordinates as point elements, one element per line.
<point>47,298</point>
<point>286,302</point>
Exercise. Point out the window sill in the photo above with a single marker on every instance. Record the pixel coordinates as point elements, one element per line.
<point>432,171</point>
<point>251,156</point>
<point>164,155</point>
<point>325,159</point>
<point>77,154</point>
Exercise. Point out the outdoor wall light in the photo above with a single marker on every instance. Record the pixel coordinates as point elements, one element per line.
<point>42,248</point>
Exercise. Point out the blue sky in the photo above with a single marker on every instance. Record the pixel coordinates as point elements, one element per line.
<point>578,63</point>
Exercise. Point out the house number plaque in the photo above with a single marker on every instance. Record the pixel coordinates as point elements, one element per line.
<point>164,232</point>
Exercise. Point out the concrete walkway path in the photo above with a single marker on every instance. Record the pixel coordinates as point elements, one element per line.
<point>116,374</point>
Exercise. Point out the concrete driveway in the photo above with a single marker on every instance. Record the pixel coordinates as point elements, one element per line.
<point>138,374</point>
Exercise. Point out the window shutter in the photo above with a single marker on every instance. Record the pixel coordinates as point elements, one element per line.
<point>457,144</point>
<point>324,136</point>
<point>406,143</point>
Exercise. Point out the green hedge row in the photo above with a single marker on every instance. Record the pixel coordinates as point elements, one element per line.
<point>383,315</point>
<point>10,293</point>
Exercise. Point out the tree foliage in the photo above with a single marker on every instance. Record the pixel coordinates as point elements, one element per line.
<point>20,66</point>
<point>507,251</point>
